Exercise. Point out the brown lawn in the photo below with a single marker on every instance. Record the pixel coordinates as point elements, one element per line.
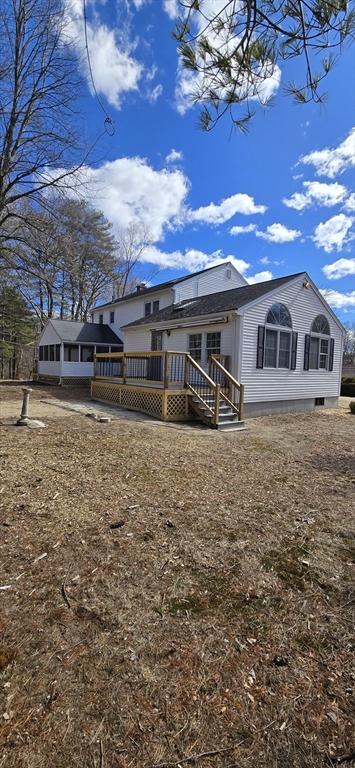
<point>212,628</point>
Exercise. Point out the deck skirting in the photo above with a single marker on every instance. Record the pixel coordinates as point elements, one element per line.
<point>164,404</point>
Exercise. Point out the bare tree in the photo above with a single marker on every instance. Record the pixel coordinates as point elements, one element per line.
<point>38,85</point>
<point>233,47</point>
<point>132,242</point>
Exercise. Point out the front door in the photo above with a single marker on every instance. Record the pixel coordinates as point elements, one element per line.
<point>155,363</point>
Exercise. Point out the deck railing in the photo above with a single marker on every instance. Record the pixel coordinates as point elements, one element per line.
<point>171,369</point>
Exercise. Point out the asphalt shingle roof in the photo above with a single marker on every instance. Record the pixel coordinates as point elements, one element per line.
<point>154,288</point>
<point>90,333</point>
<point>234,298</point>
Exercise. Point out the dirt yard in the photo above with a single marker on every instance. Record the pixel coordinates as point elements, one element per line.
<point>172,596</point>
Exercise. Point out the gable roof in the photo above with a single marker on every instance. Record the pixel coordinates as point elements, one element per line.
<point>160,286</point>
<point>90,333</point>
<point>223,301</point>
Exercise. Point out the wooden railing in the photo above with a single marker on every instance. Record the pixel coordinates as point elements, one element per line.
<point>170,369</point>
<point>232,391</point>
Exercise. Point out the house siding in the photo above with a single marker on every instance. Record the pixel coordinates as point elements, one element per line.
<point>213,281</point>
<point>49,336</point>
<point>267,384</point>
<point>132,309</point>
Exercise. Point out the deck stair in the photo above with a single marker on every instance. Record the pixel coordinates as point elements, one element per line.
<point>227,419</point>
<point>217,397</point>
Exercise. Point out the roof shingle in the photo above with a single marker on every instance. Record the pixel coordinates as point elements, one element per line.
<point>90,333</point>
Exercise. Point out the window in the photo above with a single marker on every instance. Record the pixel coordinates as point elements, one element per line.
<point>112,316</point>
<point>319,401</point>
<point>147,309</point>
<point>229,274</point>
<point>52,353</point>
<point>102,350</point>
<point>213,344</point>
<point>40,353</point>
<point>321,325</point>
<point>284,349</point>
<point>57,353</point>
<point>87,354</point>
<point>195,346</point>
<point>71,353</point>
<point>270,353</point>
<point>45,353</point>
<point>278,314</point>
<point>318,346</point>
<point>156,306</point>
<point>101,319</point>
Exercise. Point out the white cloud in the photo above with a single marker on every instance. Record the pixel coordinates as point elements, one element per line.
<point>316,193</point>
<point>191,259</point>
<point>242,230</point>
<point>221,212</point>
<point>115,70</point>
<point>349,204</point>
<point>337,299</point>
<point>331,162</point>
<point>171,7</point>
<point>278,233</point>
<point>154,93</point>
<point>332,235</point>
<point>259,277</point>
<point>339,268</point>
<point>265,260</point>
<point>173,156</point>
<point>129,191</point>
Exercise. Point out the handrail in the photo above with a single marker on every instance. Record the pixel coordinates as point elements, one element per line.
<point>201,371</point>
<point>227,374</point>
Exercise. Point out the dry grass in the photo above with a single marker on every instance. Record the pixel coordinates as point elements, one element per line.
<point>216,620</point>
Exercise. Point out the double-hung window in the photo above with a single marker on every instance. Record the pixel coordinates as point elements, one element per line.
<point>319,347</point>
<point>213,344</point>
<point>156,306</point>
<point>277,343</point>
<point>195,346</point>
<point>147,309</point>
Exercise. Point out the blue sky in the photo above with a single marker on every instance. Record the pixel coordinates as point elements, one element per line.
<point>277,200</point>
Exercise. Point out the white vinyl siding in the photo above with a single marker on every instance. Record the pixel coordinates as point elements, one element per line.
<point>268,383</point>
<point>131,310</point>
<point>222,278</point>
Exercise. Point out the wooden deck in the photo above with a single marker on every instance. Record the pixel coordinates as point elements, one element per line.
<point>169,385</point>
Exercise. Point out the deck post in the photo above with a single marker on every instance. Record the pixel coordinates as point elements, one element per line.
<point>216,404</point>
<point>185,370</point>
<point>241,402</point>
<point>166,370</point>
<point>123,369</point>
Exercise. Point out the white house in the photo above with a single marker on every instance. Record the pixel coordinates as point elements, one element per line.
<point>279,339</point>
<point>66,350</point>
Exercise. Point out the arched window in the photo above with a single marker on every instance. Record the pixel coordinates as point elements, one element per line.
<point>279,343</point>
<point>318,346</point>
<point>278,314</point>
<point>321,325</point>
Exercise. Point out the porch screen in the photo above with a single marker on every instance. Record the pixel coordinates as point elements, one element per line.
<point>71,353</point>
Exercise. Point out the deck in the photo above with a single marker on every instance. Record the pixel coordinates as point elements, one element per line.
<point>169,385</point>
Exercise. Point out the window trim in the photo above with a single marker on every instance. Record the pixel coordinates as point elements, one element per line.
<point>155,307</point>
<point>194,349</point>
<point>147,311</point>
<point>209,347</point>
<point>278,325</point>
<point>321,337</point>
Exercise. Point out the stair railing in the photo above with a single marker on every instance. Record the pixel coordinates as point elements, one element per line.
<point>235,390</point>
<point>202,387</point>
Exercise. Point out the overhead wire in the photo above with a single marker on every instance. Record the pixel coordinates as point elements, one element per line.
<point>108,122</point>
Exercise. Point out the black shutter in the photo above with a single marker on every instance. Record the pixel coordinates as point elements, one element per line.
<point>331,354</point>
<point>294,350</point>
<point>260,347</point>
<point>307,343</point>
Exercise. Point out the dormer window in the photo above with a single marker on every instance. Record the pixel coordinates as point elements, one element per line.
<point>147,309</point>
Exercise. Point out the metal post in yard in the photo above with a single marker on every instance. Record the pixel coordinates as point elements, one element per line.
<point>23,420</point>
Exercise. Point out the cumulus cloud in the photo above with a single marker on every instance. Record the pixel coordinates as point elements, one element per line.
<point>316,193</point>
<point>278,233</point>
<point>333,235</point>
<point>337,299</point>
<point>174,156</point>
<point>221,212</point>
<point>339,268</point>
<point>332,162</point>
<point>190,259</point>
<point>260,277</point>
<point>171,7</point>
<point>115,69</point>
<point>237,230</point>
<point>349,204</point>
<point>129,191</point>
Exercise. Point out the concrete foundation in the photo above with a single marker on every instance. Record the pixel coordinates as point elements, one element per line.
<point>286,406</point>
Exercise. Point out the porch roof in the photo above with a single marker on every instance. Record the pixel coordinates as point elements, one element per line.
<point>224,301</point>
<point>73,331</point>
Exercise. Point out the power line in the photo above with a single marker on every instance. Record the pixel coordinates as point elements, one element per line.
<point>108,122</point>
